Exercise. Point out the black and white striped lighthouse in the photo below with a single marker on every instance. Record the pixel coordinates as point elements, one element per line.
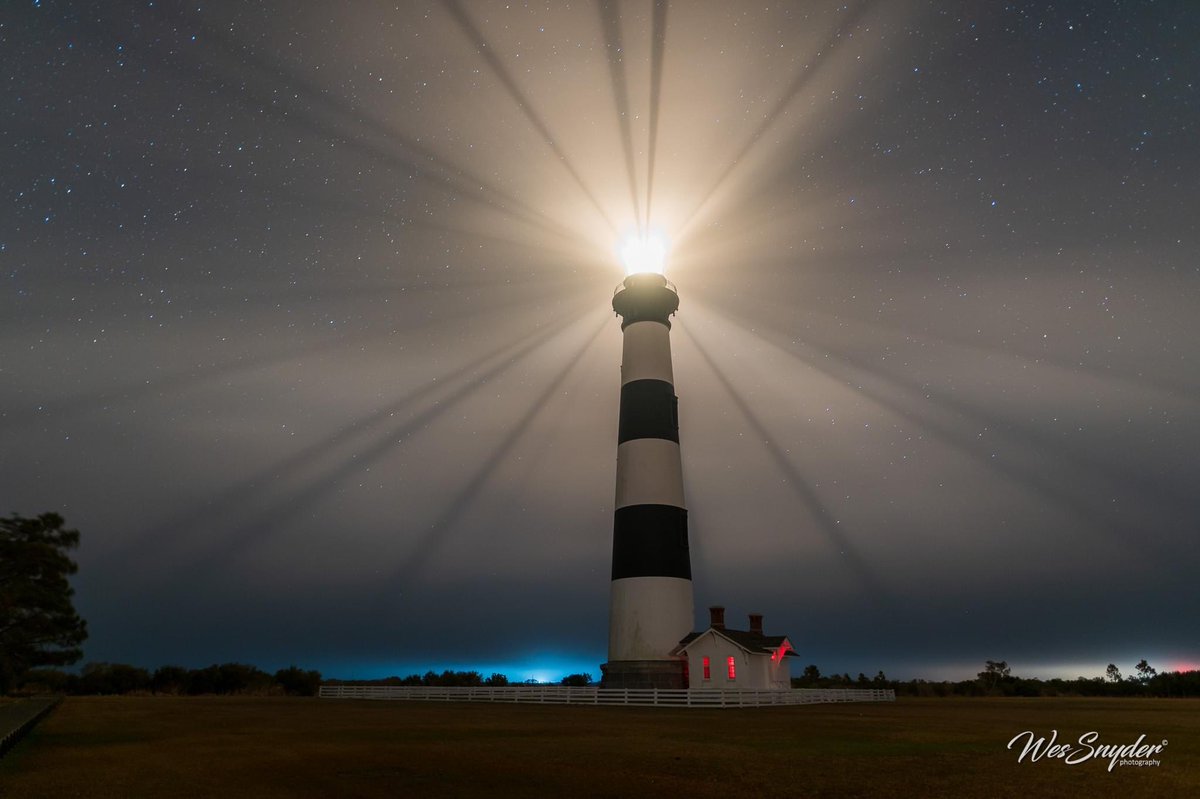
<point>651,603</point>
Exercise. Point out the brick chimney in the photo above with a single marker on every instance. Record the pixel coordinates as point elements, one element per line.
<point>716,617</point>
<point>756,623</point>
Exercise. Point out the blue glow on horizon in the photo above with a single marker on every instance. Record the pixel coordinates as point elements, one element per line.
<point>544,667</point>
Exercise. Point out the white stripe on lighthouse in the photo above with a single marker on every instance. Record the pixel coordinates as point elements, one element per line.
<point>648,473</point>
<point>649,615</point>
<point>646,353</point>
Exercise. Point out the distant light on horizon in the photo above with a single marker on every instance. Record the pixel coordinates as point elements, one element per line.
<point>542,667</point>
<point>642,254</point>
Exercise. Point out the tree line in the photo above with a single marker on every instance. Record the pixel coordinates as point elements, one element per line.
<point>121,678</point>
<point>232,678</point>
<point>997,679</point>
<point>446,679</point>
<point>458,679</point>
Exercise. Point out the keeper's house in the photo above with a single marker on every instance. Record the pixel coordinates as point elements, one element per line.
<point>729,660</point>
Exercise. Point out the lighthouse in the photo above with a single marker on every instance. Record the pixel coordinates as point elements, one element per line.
<point>651,607</point>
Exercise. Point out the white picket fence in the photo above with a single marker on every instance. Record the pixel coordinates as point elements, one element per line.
<point>19,717</point>
<point>649,697</point>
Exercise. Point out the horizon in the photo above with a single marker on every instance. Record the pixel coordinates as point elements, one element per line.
<point>551,669</point>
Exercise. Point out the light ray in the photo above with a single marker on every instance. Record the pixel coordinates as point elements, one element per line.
<point>403,154</point>
<point>428,542</point>
<point>1136,546</point>
<point>827,525</point>
<point>799,84</point>
<point>659,45</point>
<point>610,19</point>
<point>488,54</point>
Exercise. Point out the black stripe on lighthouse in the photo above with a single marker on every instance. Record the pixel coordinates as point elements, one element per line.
<point>649,409</point>
<point>651,541</point>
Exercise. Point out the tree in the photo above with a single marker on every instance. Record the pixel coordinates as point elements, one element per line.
<point>113,678</point>
<point>994,672</point>
<point>170,680</point>
<point>298,682</point>
<point>229,678</point>
<point>809,678</point>
<point>38,622</point>
<point>1113,673</point>
<point>1145,671</point>
<point>577,680</point>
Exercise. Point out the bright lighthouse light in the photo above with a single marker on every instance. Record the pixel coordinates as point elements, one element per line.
<point>644,254</point>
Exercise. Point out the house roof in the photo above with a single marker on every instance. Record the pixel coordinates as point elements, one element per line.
<point>751,642</point>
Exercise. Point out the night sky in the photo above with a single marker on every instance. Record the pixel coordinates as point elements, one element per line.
<point>306,324</point>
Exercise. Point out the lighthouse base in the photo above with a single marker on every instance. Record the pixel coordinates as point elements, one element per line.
<point>665,674</point>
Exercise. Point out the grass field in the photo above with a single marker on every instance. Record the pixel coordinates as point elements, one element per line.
<point>265,747</point>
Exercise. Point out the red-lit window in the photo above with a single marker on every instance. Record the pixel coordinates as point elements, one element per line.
<point>732,669</point>
<point>707,670</point>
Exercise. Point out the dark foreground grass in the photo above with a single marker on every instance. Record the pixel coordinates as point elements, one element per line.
<point>265,747</point>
